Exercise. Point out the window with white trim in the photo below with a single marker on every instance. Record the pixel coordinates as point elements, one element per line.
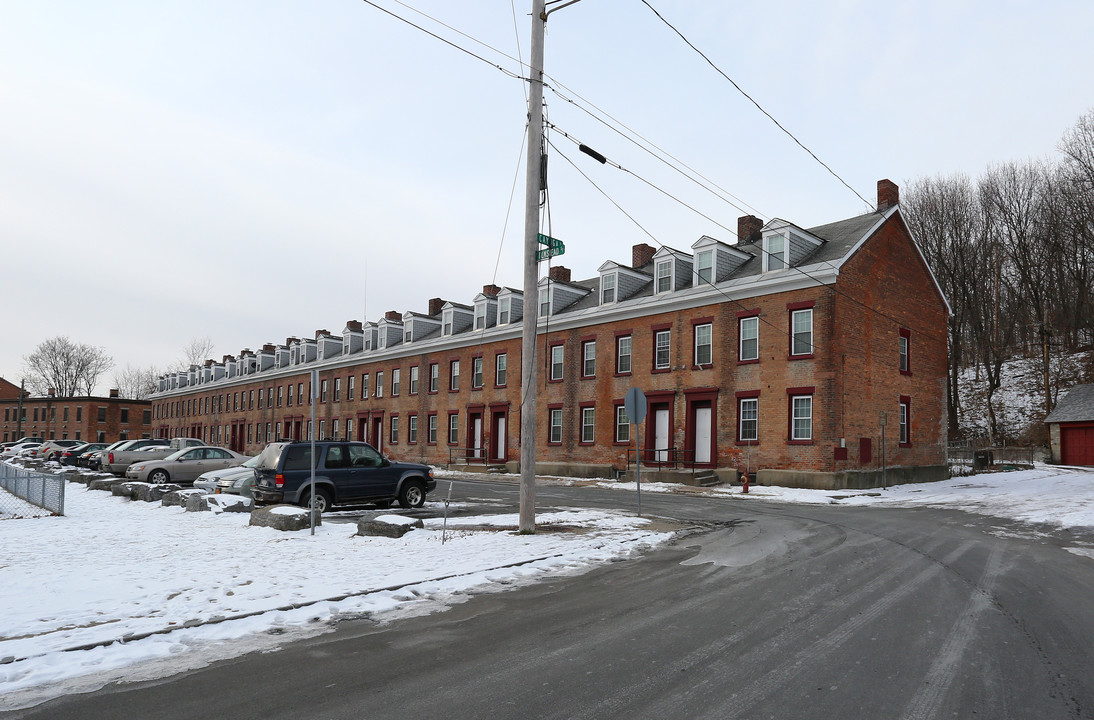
<point>413,379</point>
<point>476,372</point>
<point>663,276</point>
<point>432,439</point>
<point>557,357</point>
<point>394,435</point>
<point>503,310</point>
<point>704,267</point>
<point>661,349</point>
<point>454,375</point>
<point>623,354</point>
<point>607,288</point>
<point>480,316</point>
<point>588,358</point>
<point>588,425</point>
<point>544,302</point>
<point>704,344</point>
<point>364,386</point>
<point>904,420</point>
<point>434,376</point>
<point>555,429</point>
<point>775,252</point>
<point>801,323</point>
<point>453,429</point>
<point>801,420</point>
<point>622,425</point>
<point>749,332</point>
<point>501,361</point>
<point>748,414</point>
<point>396,381</point>
<point>379,384</point>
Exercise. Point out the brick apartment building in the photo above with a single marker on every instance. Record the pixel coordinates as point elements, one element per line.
<point>94,419</point>
<point>779,353</point>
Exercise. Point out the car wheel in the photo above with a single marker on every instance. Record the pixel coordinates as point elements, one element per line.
<point>412,494</point>
<point>158,477</point>
<point>323,500</point>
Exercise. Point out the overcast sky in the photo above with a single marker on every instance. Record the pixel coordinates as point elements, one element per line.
<point>250,171</point>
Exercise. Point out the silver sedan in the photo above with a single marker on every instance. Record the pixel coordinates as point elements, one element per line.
<point>185,465</point>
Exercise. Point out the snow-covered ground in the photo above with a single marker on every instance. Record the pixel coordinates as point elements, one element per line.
<point>150,590</point>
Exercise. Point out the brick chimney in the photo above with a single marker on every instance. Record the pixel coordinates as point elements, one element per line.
<point>491,290</point>
<point>393,316</point>
<point>321,333</point>
<point>245,352</point>
<point>641,254</point>
<point>559,273</point>
<point>888,195</point>
<point>268,348</point>
<point>114,393</point>
<point>354,326</point>
<point>435,305</point>
<point>290,340</point>
<point>748,228</point>
<point>52,392</point>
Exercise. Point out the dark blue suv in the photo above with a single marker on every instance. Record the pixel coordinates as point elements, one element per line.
<point>345,473</point>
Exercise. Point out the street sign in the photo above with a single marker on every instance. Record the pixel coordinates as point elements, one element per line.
<point>634,403</point>
<point>554,247</point>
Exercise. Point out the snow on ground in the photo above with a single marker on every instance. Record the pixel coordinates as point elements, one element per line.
<point>185,589</point>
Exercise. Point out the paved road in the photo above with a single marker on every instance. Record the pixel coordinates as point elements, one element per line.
<point>773,611</point>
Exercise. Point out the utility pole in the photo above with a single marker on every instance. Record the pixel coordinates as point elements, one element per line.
<point>528,360</point>
<point>19,409</point>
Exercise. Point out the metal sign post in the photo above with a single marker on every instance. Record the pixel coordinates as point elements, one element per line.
<point>314,394</point>
<point>634,404</point>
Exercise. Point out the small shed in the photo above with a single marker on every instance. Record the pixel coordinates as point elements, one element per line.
<point>1071,427</point>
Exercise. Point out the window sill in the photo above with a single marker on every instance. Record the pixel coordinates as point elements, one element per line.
<point>810,356</point>
<point>749,443</point>
<point>554,380</point>
<point>588,377</point>
<point>622,374</point>
<point>622,443</point>
<point>661,370</point>
<point>906,372</point>
<point>799,442</point>
<point>704,366</point>
<point>904,445</point>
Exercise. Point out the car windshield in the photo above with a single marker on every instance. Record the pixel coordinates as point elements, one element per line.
<point>177,454</point>
<point>252,463</point>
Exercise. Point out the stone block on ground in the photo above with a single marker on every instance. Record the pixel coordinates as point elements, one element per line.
<point>105,483</point>
<point>284,517</point>
<point>178,497</point>
<point>198,502</point>
<point>226,502</point>
<point>124,489</point>
<point>146,492</point>
<point>392,526</point>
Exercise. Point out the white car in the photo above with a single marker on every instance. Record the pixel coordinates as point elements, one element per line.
<point>208,481</point>
<point>17,449</point>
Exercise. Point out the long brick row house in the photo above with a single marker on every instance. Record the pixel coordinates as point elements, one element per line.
<point>784,353</point>
<point>92,418</point>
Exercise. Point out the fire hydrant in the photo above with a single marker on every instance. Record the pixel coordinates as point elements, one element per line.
<point>744,481</point>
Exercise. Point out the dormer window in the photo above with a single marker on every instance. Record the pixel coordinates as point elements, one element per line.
<point>544,302</point>
<point>704,267</point>
<point>775,252</point>
<point>480,316</point>
<point>381,342</point>
<point>663,275</point>
<point>408,335</point>
<point>503,310</point>
<point>607,289</point>
<point>446,327</point>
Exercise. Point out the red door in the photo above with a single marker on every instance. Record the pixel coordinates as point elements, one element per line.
<point>1077,445</point>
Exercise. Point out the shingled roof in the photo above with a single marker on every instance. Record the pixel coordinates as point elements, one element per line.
<point>1076,406</point>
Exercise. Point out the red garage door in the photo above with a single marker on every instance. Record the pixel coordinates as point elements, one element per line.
<point>1077,445</point>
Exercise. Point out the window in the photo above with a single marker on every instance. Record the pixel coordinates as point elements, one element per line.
<point>396,381</point>
<point>663,276</point>
<point>409,334</point>
<point>555,431</point>
<point>749,330</point>
<point>453,429</point>
<point>446,326</point>
<point>289,392</point>
<point>501,360</point>
<point>280,395</point>
<point>503,310</point>
<point>349,387</point>
<point>412,429</point>
<point>775,252</point>
<point>801,418</point>
<point>801,323</point>
<point>623,355</point>
<point>905,343</point>
<point>544,302</point>
<point>364,386</point>
<point>393,437</point>
<point>476,372</point>
<point>588,425</point>
<point>607,289</point>
<point>704,267</point>
<point>413,379</point>
<point>322,430</point>
<point>300,392</point>
<point>905,421</point>
<point>661,350</point>
<point>102,414</point>
<point>432,438</point>
<point>337,390</point>
<point>251,400</point>
<point>557,356</point>
<point>322,391</point>
<point>748,414</point>
<point>588,358</point>
<point>79,414</point>
<point>434,376</point>
<point>454,375</point>
<point>380,384</point>
<point>124,415</point>
<point>269,398</point>
<point>349,428</point>
<point>622,425</point>
<point>480,316</point>
<point>704,344</point>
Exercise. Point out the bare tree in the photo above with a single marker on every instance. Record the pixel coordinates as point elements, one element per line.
<point>136,383</point>
<point>65,367</point>
<point>195,352</point>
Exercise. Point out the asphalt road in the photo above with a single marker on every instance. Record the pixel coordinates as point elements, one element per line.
<point>766,611</point>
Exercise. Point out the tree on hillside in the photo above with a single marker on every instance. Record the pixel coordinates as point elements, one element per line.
<point>67,368</point>
<point>136,383</point>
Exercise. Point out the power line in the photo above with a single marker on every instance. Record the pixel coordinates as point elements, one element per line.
<point>750,99</point>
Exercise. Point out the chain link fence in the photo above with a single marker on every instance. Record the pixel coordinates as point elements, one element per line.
<point>30,494</point>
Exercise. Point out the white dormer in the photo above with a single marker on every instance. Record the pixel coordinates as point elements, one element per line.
<point>389,333</point>
<point>486,312</point>
<point>510,306</point>
<point>785,244</point>
<point>353,339</point>
<point>619,282</point>
<point>555,296</point>
<point>282,357</point>
<point>455,319</point>
<point>329,346</point>
<point>418,327</point>
<point>715,261</point>
<point>671,270</point>
<point>371,333</point>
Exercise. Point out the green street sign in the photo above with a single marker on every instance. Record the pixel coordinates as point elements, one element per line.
<point>554,247</point>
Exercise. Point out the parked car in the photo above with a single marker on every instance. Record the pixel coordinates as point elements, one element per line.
<point>24,439</point>
<point>184,466</point>
<point>94,461</point>
<point>73,454</point>
<point>210,480</point>
<point>50,450</point>
<point>18,448</point>
<point>117,460</point>
<point>346,472</point>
